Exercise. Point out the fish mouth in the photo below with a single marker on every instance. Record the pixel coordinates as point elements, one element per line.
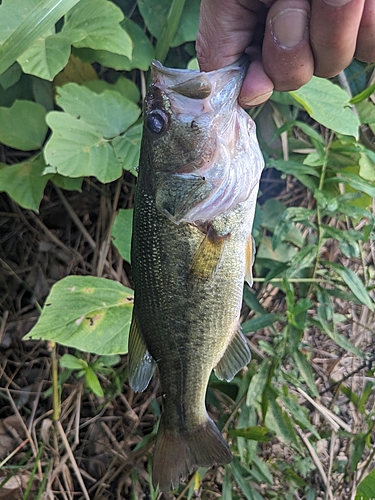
<point>197,85</point>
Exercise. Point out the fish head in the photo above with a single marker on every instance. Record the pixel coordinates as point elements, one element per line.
<point>190,130</point>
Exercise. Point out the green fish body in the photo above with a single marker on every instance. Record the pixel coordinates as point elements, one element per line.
<point>191,251</point>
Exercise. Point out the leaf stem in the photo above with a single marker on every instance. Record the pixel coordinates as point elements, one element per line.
<point>169,30</point>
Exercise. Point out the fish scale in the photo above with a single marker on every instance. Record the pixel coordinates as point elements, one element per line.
<point>189,274</point>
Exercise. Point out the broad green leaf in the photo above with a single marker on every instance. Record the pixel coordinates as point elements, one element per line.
<point>127,148</point>
<point>10,76</point>
<point>366,488</point>
<point>21,23</point>
<point>82,140</point>
<point>25,182</point>
<point>47,56</point>
<point>93,382</point>
<point>122,232</point>
<point>256,433</point>
<point>68,183</point>
<point>353,282</point>
<point>329,105</point>
<point>143,52</point>
<point>72,362</point>
<point>23,126</point>
<point>367,168</point>
<point>88,313</point>
<point>76,71</point>
<point>96,24</point>
<point>123,86</point>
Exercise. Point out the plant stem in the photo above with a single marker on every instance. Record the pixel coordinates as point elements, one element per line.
<point>169,30</point>
<point>55,383</point>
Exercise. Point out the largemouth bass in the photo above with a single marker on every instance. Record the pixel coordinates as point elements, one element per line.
<point>191,251</point>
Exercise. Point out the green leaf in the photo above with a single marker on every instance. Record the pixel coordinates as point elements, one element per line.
<point>301,260</point>
<point>155,16</point>
<point>82,140</point>
<point>96,24</point>
<point>256,433</point>
<point>305,370</point>
<point>21,23</point>
<point>353,282</point>
<point>367,167</point>
<point>23,126</point>
<point>11,76</point>
<point>366,488</point>
<point>72,363</point>
<point>122,232</point>
<point>93,382</point>
<point>355,182</point>
<point>278,420</point>
<point>363,95</point>
<point>123,86</point>
<point>68,183</point>
<point>299,413</point>
<point>328,104</point>
<point>25,182</point>
<point>240,477</point>
<point>143,52</point>
<point>88,313</point>
<point>47,56</point>
<point>255,324</point>
<point>127,147</point>
<point>258,382</point>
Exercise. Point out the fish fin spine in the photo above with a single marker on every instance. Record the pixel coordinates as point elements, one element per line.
<point>141,363</point>
<point>250,257</point>
<point>236,356</point>
<point>176,454</point>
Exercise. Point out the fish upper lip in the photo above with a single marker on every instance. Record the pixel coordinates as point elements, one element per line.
<point>242,63</point>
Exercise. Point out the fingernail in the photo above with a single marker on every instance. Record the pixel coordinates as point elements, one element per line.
<point>336,3</point>
<point>289,27</point>
<point>255,101</point>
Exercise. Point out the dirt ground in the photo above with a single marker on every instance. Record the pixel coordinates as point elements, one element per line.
<point>99,447</point>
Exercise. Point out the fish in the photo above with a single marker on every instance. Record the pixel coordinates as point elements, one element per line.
<point>192,249</point>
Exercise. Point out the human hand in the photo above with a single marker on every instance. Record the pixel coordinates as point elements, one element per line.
<point>288,41</point>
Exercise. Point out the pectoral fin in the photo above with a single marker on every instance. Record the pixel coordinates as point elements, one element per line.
<point>141,363</point>
<point>236,356</point>
<point>250,257</point>
<point>208,256</point>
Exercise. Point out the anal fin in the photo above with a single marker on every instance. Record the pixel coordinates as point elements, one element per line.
<point>250,257</point>
<point>208,256</point>
<point>141,363</point>
<point>236,356</point>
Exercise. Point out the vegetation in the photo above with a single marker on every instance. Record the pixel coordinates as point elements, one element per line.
<point>301,417</point>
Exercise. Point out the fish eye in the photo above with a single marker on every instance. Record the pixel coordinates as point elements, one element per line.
<point>156,122</point>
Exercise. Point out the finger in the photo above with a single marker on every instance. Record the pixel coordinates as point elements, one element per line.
<point>225,30</point>
<point>257,87</point>
<point>287,56</point>
<point>366,36</point>
<point>334,27</point>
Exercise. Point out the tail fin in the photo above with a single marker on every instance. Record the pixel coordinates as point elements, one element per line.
<point>177,454</point>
